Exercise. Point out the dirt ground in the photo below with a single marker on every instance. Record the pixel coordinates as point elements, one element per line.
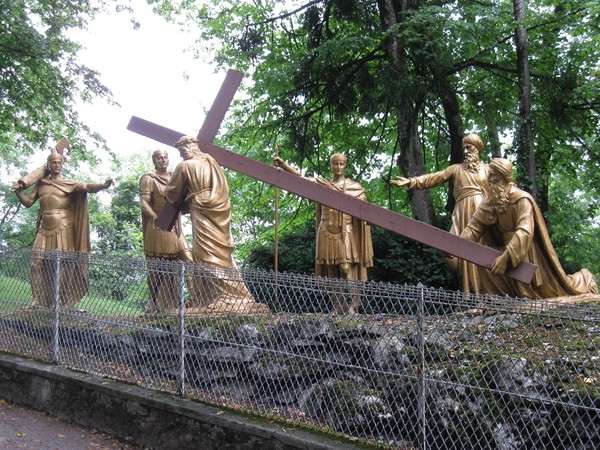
<point>24,428</point>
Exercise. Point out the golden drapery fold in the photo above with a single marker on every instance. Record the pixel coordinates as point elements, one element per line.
<point>341,238</point>
<point>161,244</point>
<point>469,190</point>
<point>521,229</point>
<point>199,185</point>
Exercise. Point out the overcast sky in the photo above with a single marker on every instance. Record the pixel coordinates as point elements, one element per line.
<point>145,69</point>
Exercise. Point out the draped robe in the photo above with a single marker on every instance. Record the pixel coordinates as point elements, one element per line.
<point>521,230</point>
<point>161,244</point>
<point>341,238</point>
<point>199,185</point>
<point>64,229</point>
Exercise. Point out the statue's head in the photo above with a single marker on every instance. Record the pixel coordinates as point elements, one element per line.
<point>500,170</point>
<point>160,158</point>
<point>472,140</point>
<point>338,157</point>
<point>187,146</point>
<point>54,156</point>
<point>55,160</point>
<point>338,163</point>
<point>500,179</point>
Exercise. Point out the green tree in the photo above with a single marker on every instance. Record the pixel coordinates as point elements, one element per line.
<point>41,78</point>
<point>118,227</point>
<point>17,224</point>
<point>41,81</point>
<point>391,81</point>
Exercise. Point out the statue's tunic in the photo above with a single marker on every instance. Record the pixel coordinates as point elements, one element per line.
<point>63,224</point>
<point>343,247</point>
<point>200,184</point>
<point>470,189</point>
<point>341,238</point>
<point>521,229</point>
<point>159,244</point>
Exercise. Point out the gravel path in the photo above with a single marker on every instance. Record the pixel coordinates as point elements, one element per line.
<point>24,428</point>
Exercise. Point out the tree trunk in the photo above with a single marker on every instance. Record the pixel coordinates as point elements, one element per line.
<point>410,161</point>
<point>525,152</point>
<point>449,99</point>
<point>494,149</point>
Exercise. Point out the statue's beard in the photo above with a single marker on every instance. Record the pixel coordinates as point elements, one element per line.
<point>498,198</point>
<point>471,162</point>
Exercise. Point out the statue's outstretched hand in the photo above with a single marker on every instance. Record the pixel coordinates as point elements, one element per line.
<point>400,181</point>
<point>278,162</point>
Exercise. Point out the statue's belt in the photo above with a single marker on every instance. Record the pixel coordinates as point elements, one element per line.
<point>54,220</point>
<point>54,211</point>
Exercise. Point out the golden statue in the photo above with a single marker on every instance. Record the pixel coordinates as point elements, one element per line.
<point>199,185</point>
<point>158,243</point>
<point>470,180</point>
<point>516,220</point>
<point>63,224</point>
<point>343,248</point>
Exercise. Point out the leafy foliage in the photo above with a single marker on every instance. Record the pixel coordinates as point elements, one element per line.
<point>573,224</point>
<point>385,84</point>
<point>41,81</point>
<point>119,227</point>
<point>296,252</point>
<point>18,224</point>
<point>41,77</point>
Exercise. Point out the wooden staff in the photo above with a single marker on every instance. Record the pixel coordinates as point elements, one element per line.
<point>276,300</point>
<point>276,219</point>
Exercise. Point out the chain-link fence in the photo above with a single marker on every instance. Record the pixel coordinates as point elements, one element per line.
<point>415,367</point>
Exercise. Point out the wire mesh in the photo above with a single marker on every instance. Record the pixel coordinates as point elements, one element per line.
<point>416,367</point>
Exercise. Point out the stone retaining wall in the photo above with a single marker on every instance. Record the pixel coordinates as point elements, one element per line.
<point>141,416</point>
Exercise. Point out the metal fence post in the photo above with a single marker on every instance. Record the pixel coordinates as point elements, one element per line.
<point>421,345</point>
<point>180,292</point>
<point>55,298</point>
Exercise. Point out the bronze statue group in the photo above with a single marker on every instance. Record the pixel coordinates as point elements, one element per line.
<point>489,209</point>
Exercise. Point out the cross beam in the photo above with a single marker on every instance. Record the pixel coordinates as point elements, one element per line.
<point>170,212</point>
<point>369,212</point>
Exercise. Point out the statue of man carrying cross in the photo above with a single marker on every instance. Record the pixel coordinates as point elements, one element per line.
<point>198,184</point>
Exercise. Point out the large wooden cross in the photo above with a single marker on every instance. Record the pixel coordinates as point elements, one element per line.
<point>369,212</point>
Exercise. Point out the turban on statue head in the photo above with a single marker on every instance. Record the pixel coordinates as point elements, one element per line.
<point>474,140</point>
<point>503,167</point>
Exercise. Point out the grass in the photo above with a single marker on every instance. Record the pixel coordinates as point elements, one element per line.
<point>15,292</point>
<point>105,306</point>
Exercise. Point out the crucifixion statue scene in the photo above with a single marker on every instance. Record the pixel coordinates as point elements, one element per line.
<point>484,259</point>
<point>379,227</point>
